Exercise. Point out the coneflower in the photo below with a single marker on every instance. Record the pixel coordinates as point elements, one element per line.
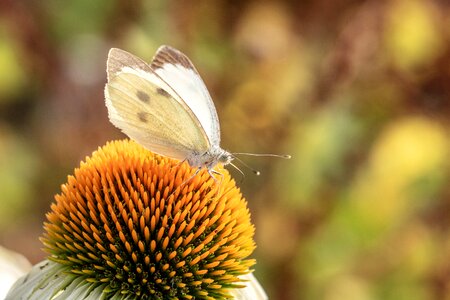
<point>130,224</point>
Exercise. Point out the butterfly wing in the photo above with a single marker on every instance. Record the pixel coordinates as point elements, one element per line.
<point>177,70</point>
<point>147,109</point>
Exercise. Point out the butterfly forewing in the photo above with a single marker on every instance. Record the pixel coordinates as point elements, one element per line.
<point>148,110</point>
<point>177,70</point>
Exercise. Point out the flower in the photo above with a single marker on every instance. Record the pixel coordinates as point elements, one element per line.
<point>130,224</point>
<point>12,266</point>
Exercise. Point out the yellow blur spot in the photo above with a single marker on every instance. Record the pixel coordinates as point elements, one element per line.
<point>412,33</point>
<point>406,152</point>
<point>12,76</point>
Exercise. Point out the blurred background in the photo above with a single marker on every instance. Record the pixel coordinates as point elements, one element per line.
<point>358,92</point>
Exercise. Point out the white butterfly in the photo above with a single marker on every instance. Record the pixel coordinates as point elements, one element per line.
<point>164,106</point>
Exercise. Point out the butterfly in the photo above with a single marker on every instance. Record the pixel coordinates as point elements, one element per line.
<point>164,106</point>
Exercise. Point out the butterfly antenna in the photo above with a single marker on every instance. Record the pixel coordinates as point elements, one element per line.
<point>256,172</point>
<point>285,156</point>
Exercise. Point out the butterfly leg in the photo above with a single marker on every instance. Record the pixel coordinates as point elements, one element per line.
<point>211,173</point>
<point>187,180</point>
<point>192,176</point>
<point>179,163</point>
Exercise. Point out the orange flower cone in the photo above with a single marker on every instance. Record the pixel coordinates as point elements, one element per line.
<point>130,224</point>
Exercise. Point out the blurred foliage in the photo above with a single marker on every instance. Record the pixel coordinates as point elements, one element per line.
<point>12,76</point>
<point>358,92</point>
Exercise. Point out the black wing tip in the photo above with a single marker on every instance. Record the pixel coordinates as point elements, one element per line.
<point>114,55</point>
<point>116,51</point>
<point>164,47</point>
<point>161,49</point>
<point>113,49</point>
<point>168,49</point>
<point>119,59</point>
<point>169,55</point>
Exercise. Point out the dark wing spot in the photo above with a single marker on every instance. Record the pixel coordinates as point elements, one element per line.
<point>143,116</point>
<point>163,92</point>
<point>143,96</point>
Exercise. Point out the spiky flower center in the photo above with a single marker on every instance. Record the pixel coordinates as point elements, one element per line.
<point>144,225</point>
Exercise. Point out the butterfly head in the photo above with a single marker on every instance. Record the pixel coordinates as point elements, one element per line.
<point>225,157</point>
